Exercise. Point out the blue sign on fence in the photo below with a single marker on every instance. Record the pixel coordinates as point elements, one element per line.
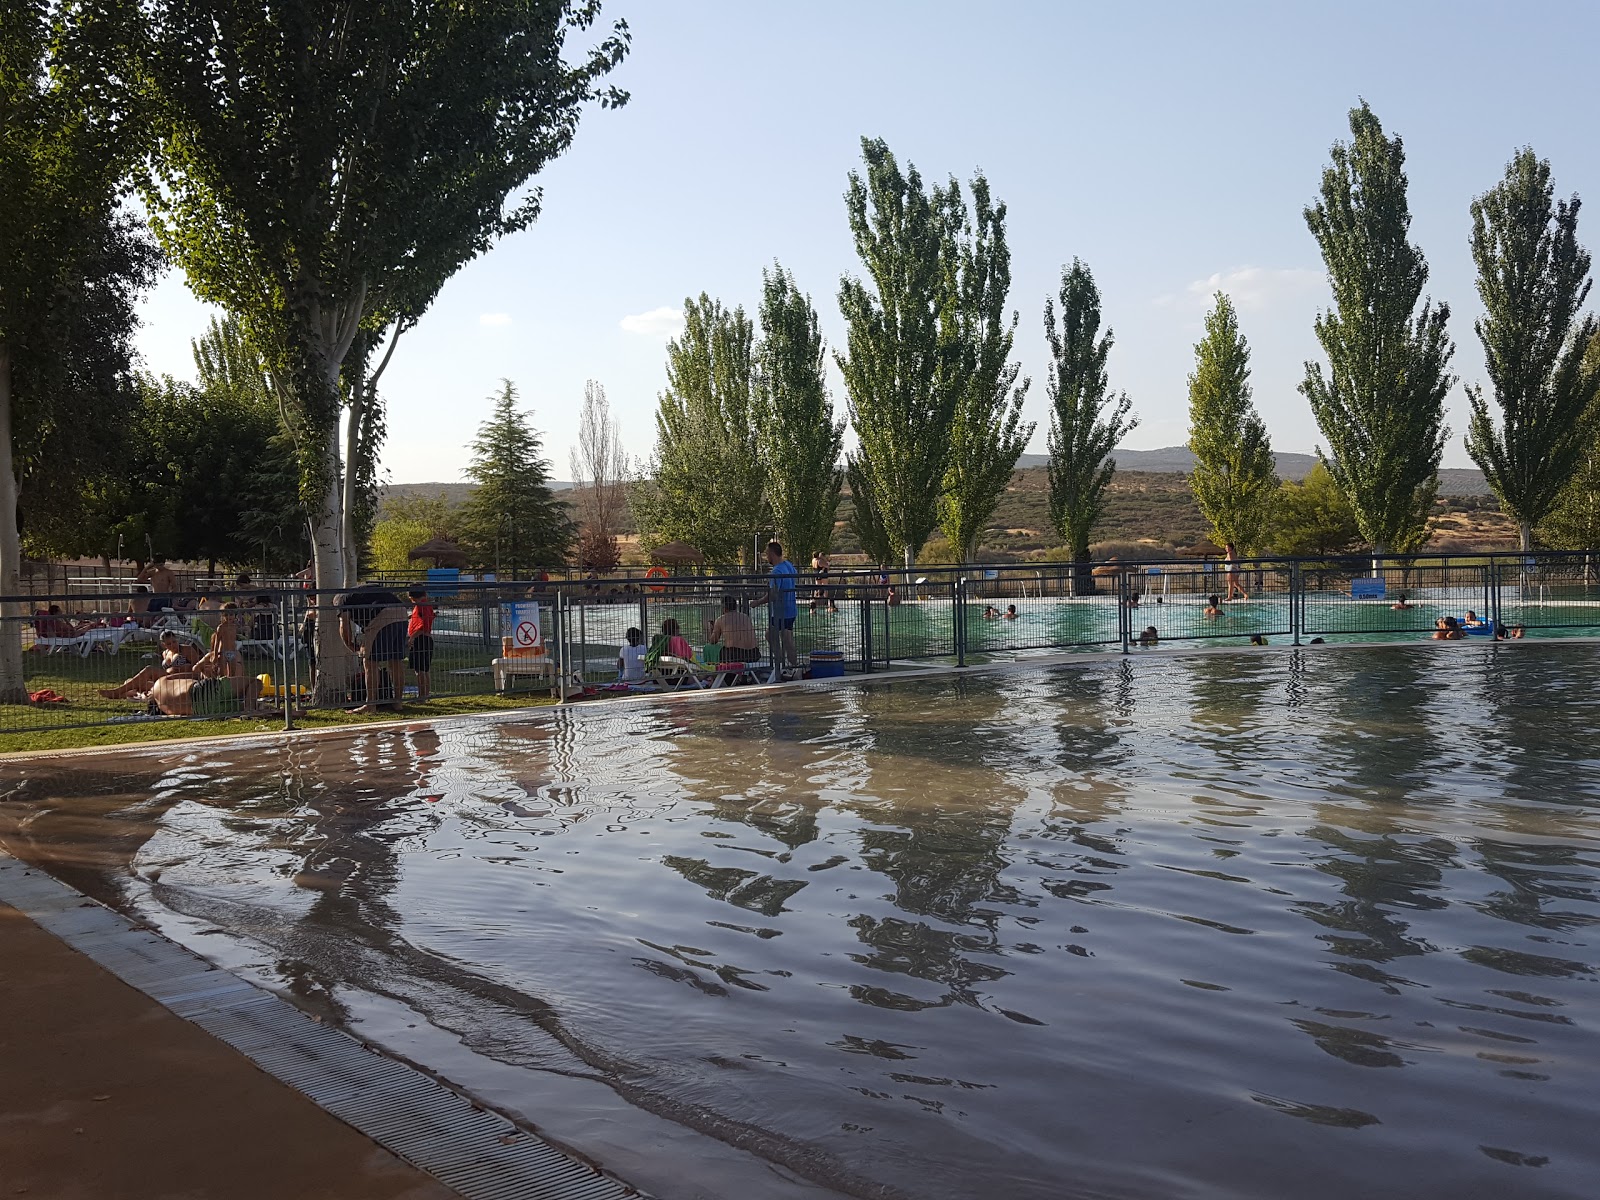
<point>1368,589</point>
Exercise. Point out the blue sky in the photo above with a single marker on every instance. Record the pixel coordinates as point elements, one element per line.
<point>1171,146</point>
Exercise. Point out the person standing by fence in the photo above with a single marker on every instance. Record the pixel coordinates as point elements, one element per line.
<point>782,610</point>
<point>419,631</point>
<point>382,617</point>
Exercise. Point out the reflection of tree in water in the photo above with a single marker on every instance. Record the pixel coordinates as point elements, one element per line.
<point>936,812</point>
<point>1227,695</point>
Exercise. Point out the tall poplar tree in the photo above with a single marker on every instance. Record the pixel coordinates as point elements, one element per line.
<point>323,169</point>
<point>1235,478</point>
<point>1381,402</point>
<point>864,520</point>
<point>987,432</point>
<point>708,471</point>
<point>1087,419</point>
<point>902,392</point>
<point>1533,278</point>
<point>799,439</point>
<point>513,520</point>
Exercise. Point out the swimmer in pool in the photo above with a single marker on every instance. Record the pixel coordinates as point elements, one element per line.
<point>1213,606</point>
<point>1010,613</point>
<point>1400,605</point>
<point>991,613</point>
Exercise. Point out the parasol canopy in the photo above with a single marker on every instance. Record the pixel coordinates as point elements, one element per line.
<point>443,552</point>
<point>677,552</point>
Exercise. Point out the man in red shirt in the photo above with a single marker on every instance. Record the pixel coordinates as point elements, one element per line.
<point>420,630</point>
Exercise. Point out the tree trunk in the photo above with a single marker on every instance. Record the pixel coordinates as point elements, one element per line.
<point>1083,580</point>
<point>347,511</point>
<point>1525,532</point>
<point>13,689</point>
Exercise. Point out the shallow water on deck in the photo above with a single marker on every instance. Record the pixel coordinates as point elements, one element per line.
<point>1315,924</point>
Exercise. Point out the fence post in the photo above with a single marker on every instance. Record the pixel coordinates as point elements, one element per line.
<point>958,598</point>
<point>286,630</point>
<point>1294,601</point>
<point>866,633</point>
<point>1491,593</point>
<point>561,659</point>
<point>1124,613</point>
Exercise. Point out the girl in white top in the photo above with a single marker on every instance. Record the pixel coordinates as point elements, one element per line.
<point>630,662</point>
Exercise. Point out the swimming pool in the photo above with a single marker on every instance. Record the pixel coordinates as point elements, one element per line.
<point>1316,924</point>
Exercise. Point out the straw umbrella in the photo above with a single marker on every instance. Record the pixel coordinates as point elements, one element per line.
<point>440,549</point>
<point>675,553</point>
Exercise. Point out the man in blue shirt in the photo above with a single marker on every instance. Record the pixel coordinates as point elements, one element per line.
<point>782,609</point>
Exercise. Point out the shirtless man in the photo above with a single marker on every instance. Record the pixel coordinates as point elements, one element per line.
<point>163,583</point>
<point>194,696</point>
<point>177,658</point>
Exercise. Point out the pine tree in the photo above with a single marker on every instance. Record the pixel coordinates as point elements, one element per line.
<point>1533,278</point>
<point>708,472</point>
<point>513,521</point>
<point>799,440</point>
<point>897,370</point>
<point>1381,403</point>
<point>987,433</point>
<point>1234,478</point>
<point>1087,420</point>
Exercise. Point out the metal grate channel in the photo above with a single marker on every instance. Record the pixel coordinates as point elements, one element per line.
<point>478,1153</point>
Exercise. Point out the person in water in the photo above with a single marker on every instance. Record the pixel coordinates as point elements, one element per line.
<point>1447,629</point>
<point>991,613</point>
<point>1213,607</point>
<point>1010,614</point>
<point>1257,639</point>
<point>1149,638</point>
<point>1401,604</point>
<point>1472,620</point>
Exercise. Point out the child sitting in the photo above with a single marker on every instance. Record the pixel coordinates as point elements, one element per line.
<point>670,641</point>
<point>630,660</point>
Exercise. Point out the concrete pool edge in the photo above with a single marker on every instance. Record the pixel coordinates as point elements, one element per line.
<point>898,670</point>
<point>476,1152</point>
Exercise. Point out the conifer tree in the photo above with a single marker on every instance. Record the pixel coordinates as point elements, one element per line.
<point>708,472</point>
<point>1533,278</point>
<point>513,521</point>
<point>1087,419</point>
<point>897,368</point>
<point>1234,478</point>
<point>1381,402</point>
<point>799,439</point>
<point>987,432</point>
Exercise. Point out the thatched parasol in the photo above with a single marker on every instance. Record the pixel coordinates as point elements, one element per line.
<point>677,552</point>
<point>1112,567</point>
<point>443,552</point>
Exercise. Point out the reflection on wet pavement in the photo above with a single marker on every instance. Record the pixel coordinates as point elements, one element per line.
<point>1212,926</point>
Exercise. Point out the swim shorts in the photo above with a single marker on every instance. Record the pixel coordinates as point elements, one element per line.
<point>389,643</point>
<point>421,657</point>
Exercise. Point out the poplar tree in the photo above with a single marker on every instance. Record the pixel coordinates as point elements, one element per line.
<point>1235,478</point>
<point>799,439</point>
<point>708,471</point>
<point>1381,402</point>
<point>897,368</point>
<point>1533,279</point>
<point>1087,419</point>
<point>864,520</point>
<point>323,169</point>
<point>513,517</point>
<point>987,432</point>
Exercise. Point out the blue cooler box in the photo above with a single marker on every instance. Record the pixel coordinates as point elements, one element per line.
<point>827,664</point>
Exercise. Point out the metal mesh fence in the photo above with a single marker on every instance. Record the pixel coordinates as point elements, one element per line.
<point>101,659</point>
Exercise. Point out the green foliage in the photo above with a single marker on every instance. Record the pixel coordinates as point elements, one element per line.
<point>899,369</point>
<point>391,543</point>
<point>1533,278</point>
<point>1574,521</point>
<point>324,168</point>
<point>987,433</point>
<point>513,522</point>
<point>1234,478</point>
<point>708,469</point>
<point>1381,404</point>
<point>799,441</point>
<point>863,520</point>
<point>1087,420</point>
<point>1312,518</point>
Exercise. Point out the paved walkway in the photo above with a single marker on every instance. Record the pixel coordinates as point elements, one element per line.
<point>106,1095</point>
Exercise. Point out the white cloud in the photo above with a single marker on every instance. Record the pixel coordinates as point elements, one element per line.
<point>1254,288</point>
<point>658,322</point>
<point>494,320</point>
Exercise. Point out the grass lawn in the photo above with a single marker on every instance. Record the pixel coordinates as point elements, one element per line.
<point>79,679</point>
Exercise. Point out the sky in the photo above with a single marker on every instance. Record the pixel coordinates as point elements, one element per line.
<point>1171,146</point>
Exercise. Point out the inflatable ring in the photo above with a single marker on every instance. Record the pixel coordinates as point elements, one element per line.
<point>656,573</point>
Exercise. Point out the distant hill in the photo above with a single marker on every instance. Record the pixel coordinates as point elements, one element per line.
<point>1453,481</point>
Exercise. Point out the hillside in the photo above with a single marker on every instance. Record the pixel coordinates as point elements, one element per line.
<point>1149,502</point>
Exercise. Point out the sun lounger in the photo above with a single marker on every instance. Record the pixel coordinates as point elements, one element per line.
<point>676,674</point>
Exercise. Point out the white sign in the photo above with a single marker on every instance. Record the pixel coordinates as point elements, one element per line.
<point>522,618</point>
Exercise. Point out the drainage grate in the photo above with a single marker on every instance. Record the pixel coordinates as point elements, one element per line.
<point>478,1153</point>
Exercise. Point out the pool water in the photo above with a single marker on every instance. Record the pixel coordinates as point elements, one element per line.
<point>1310,924</point>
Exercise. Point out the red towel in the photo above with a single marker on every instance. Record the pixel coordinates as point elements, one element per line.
<point>46,696</point>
